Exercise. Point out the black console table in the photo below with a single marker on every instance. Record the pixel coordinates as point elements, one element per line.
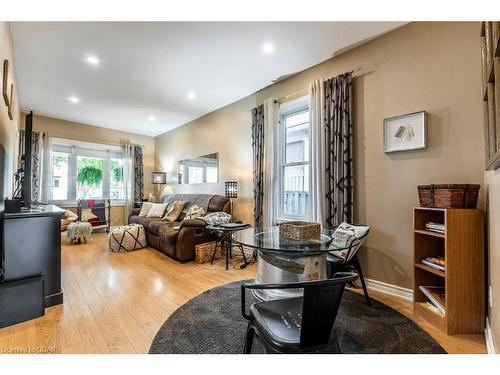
<point>30,250</point>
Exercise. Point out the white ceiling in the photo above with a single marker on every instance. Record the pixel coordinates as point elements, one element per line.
<point>147,68</point>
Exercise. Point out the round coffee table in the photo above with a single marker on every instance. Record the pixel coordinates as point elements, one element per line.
<point>283,260</point>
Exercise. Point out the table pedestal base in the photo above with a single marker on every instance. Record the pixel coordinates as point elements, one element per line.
<point>279,268</point>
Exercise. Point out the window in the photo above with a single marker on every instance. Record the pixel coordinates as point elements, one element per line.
<point>89,177</point>
<point>294,179</point>
<point>117,184</point>
<point>82,170</point>
<point>60,164</point>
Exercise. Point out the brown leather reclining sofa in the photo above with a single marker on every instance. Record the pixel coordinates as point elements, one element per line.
<point>178,239</point>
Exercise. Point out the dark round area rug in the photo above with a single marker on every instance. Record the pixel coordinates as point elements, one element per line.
<point>211,323</point>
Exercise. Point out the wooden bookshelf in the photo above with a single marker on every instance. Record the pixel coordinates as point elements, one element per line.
<point>462,246</point>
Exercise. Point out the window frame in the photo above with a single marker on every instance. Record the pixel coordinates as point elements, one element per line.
<point>292,108</point>
<point>74,149</point>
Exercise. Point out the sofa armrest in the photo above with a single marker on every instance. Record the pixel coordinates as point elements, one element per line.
<point>135,211</point>
<point>193,223</point>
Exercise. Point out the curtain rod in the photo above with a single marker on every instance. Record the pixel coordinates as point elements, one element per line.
<point>279,100</point>
<point>93,141</point>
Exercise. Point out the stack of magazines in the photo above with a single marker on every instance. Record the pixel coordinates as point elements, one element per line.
<point>437,263</point>
<point>436,297</point>
<point>435,227</point>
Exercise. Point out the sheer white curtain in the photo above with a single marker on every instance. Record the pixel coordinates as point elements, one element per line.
<point>128,173</point>
<point>271,167</point>
<point>317,150</point>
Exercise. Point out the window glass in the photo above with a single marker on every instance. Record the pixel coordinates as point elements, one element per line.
<point>211,174</point>
<point>296,191</point>
<point>60,165</point>
<point>117,185</point>
<point>89,177</point>
<point>294,160</point>
<point>297,138</point>
<point>195,175</point>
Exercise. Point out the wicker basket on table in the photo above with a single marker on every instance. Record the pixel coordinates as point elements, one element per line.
<point>300,230</point>
<point>448,195</point>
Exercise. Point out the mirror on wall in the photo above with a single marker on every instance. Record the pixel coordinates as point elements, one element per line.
<point>199,170</point>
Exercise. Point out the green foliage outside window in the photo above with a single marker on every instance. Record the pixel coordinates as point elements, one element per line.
<point>116,171</point>
<point>90,171</point>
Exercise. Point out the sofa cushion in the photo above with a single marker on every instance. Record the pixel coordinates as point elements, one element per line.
<point>217,203</point>
<point>174,210</point>
<point>168,234</point>
<point>146,206</point>
<point>157,210</point>
<point>194,212</point>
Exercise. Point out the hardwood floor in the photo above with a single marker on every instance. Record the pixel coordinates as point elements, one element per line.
<point>115,303</point>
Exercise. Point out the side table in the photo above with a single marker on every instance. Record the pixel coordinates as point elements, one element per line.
<point>227,231</point>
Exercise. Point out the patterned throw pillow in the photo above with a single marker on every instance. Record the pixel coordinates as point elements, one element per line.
<point>174,211</point>
<point>87,215</point>
<point>157,210</point>
<point>347,235</point>
<point>146,206</point>
<point>194,212</point>
<point>216,218</point>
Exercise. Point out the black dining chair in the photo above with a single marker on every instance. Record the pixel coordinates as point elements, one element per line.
<point>349,262</point>
<point>298,324</point>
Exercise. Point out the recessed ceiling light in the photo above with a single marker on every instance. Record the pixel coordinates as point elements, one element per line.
<point>268,48</point>
<point>73,99</point>
<point>152,118</point>
<point>191,95</point>
<point>92,60</point>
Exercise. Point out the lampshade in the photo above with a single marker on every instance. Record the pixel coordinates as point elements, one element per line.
<point>159,178</point>
<point>231,189</point>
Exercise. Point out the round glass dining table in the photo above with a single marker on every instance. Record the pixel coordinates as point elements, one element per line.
<point>282,260</point>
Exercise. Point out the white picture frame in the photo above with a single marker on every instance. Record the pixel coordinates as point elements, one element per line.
<point>405,133</point>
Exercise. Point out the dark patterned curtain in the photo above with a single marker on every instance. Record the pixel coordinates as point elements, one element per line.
<point>339,150</point>
<point>138,174</point>
<point>258,163</point>
<point>36,154</point>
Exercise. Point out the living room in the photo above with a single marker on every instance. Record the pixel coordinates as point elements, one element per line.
<point>270,187</point>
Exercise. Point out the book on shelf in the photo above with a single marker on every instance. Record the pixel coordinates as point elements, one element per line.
<point>436,296</point>
<point>435,262</point>
<point>434,227</point>
<point>429,306</point>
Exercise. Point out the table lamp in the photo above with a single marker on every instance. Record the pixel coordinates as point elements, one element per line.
<point>231,192</point>
<point>159,178</point>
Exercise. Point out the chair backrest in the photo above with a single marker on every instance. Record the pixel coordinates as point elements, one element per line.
<point>358,233</point>
<point>320,308</point>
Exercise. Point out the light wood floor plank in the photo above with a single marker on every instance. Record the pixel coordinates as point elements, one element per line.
<point>115,303</point>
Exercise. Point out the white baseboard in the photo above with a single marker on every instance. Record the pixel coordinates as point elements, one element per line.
<point>391,289</point>
<point>490,345</point>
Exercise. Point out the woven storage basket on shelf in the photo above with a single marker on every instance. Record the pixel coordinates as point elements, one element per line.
<point>300,230</point>
<point>448,195</point>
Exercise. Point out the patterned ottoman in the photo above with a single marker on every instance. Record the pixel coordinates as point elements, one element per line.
<point>127,238</point>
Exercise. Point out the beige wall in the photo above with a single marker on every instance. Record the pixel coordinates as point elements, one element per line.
<point>8,127</point>
<point>422,66</point>
<point>82,132</point>
<point>492,185</point>
<point>226,131</point>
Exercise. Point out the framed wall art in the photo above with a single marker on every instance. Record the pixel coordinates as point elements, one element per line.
<point>5,82</point>
<point>405,133</point>
<point>11,102</point>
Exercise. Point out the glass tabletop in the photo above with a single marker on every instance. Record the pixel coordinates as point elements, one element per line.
<point>268,239</point>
